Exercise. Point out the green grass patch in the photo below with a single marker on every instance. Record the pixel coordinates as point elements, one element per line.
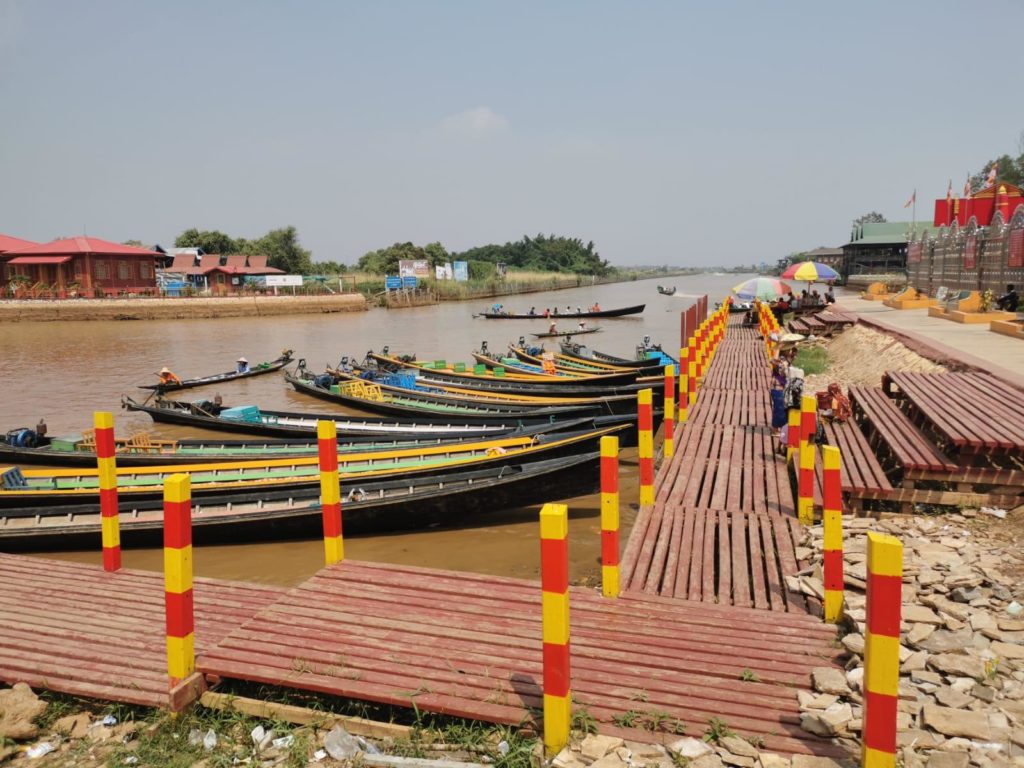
<point>812,360</point>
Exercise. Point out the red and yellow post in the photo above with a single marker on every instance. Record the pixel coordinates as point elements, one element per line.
<point>181,655</point>
<point>691,379</point>
<point>792,433</point>
<point>330,491</point>
<point>610,516</point>
<point>832,520</point>
<point>554,577</point>
<point>106,466</point>
<point>684,386</point>
<point>645,445</point>
<point>805,478</point>
<point>670,411</point>
<point>882,650</point>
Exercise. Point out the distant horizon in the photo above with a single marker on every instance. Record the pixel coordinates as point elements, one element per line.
<point>667,133</point>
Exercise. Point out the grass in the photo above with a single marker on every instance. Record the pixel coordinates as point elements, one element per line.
<point>812,360</point>
<point>749,676</point>
<point>717,730</point>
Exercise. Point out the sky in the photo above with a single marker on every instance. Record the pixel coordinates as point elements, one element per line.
<point>681,133</point>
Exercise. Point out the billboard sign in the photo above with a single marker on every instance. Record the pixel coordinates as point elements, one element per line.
<point>460,270</point>
<point>439,272</point>
<point>392,283</point>
<point>410,281</point>
<point>282,281</point>
<point>414,268</point>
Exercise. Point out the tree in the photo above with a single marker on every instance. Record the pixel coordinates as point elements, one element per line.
<point>547,253</point>
<point>134,243</point>
<point>1010,171</point>
<point>869,218</point>
<point>385,260</point>
<point>283,249</point>
<point>210,241</point>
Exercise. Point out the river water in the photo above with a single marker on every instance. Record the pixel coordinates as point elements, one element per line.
<point>63,371</point>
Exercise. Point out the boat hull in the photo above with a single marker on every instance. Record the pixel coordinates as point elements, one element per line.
<point>621,312</point>
<point>220,378</point>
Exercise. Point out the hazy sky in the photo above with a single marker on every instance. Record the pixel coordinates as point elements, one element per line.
<point>667,132</point>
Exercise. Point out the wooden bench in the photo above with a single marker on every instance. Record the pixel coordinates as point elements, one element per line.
<point>861,475</point>
<point>835,320</point>
<point>799,326</point>
<point>891,427</point>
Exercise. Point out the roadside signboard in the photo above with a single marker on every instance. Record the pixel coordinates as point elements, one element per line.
<point>414,268</point>
<point>410,281</point>
<point>461,271</point>
<point>282,281</point>
<point>392,283</point>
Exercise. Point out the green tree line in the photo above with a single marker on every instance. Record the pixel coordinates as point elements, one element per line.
<point>543,253</point>
<point>281,246</point>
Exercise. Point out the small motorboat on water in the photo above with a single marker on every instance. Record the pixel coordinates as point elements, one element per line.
<point>220,378</point>
<point>664,291</point>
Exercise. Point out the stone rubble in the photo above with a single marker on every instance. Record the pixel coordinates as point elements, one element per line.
<point>961,693</point>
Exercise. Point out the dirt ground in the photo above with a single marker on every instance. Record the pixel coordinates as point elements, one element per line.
<point>860,356</point>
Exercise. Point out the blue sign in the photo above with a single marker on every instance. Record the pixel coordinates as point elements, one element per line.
<point>392,283</point>
<point>409,281</point>
<point>461,271</point>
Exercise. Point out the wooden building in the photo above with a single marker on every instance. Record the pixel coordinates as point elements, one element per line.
<point>879,248</point>
<point>7,244</point>
<point>86,266</point>
<point>219,274</point>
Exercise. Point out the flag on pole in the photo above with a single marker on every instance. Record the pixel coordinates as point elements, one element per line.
<point>993,172</point>
<point>967,188</point>
<point>911,201</point>
<point>949,192</point>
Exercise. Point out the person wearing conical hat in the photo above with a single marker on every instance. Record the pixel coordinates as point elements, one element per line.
<point>167,376</point>
<point>243,365</point>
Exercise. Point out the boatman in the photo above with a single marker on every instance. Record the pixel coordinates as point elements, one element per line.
<point>552,328</point>
<point>168,377</point>
<point>243,365</point>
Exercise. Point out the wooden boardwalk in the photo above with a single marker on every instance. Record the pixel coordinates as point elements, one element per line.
<point>723,527</point>
<point>470,645</point>
<point>77,629</point>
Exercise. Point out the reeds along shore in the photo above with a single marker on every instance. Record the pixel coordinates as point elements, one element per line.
<point>176,308</point>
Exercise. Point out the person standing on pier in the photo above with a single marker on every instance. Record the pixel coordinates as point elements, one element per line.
<point>780,369</point>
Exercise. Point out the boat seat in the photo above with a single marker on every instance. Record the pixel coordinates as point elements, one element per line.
<point>13,479</point>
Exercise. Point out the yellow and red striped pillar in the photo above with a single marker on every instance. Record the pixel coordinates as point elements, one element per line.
<point>882,650</point>
<point>181,655</point>
<point>691,378</point>
<point>669,444</point>
<point>792,433</point>
<point>684,385</point>
<point>832,521</point>
<point>554,578</point>
<point>106,466</point>
<point>330,491</point>
<point>610,516</point>
<point>645,444</point>
<point>805,478</point>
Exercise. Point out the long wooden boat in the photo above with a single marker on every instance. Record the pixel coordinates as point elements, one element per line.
<point>143,451</point>
<point>409,384</point>
<point>647,356</point>
<point>220,378</point>
<point>38,487</point>
<point>510,363</point>
<point>372,398</point>
<point>532,355</point>
<point>394,504</point>
<point>621,312</point>
<point>480,377</point>
<point>566,334</point>
<point>208,414</point>
<point>665,291</point>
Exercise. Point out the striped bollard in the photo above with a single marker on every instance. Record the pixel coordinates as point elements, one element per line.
<point>832,521</point>
<point>684,386</point>
<point>610,516</point>
<point>554,579</point>
<point>669,445</point>
<point>645,446</point>
<point>805,478</point>
<point>330,491</point>
<point>106,466</point>
<point>792,433</point>
<point>181,655</point>
<point>882,650</point>
<point>691,381</point>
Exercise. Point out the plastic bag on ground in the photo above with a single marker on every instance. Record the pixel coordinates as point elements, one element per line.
<point>340,745</point>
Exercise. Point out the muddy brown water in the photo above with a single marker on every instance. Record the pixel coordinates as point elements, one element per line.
<point>63,371</point>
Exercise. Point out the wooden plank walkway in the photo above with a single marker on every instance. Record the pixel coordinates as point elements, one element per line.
<point>77,629</point>
<point>723,525</point>
<point>470,645</point>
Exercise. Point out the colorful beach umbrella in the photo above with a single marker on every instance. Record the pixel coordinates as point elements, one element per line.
<point>811,272</point>
<point>764,288</point>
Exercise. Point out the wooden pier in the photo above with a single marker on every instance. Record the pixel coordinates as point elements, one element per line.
<point>704,627</point>
<point>723,528</point>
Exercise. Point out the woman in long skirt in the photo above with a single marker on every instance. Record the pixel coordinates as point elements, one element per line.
<point>779,415</point>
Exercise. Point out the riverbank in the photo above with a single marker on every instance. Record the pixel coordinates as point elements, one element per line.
<point>178,308</point>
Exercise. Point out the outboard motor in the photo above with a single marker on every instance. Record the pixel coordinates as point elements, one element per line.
<point>384,351</point>
<point>483,347</point>
<point>522,342</point>
<point>323,381</point>
<point>23,437</point>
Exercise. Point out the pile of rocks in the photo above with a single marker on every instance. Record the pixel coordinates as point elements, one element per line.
<point>961,690</point>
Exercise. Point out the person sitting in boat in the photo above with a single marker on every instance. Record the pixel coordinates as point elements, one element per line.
<point>596,307</point>
<point>532,312</point>
<point>547,312</point>
<point>243,365</point>
<point>553,327</point>
<point>548,363</point>
<point>579,310</point>
<point>167,376</point>
<point>582,326</point>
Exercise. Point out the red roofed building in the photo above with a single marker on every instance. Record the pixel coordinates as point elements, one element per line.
<point>97,266</point>
<point>8,243</point>
<point>981,206</point>
<point>220,274</point>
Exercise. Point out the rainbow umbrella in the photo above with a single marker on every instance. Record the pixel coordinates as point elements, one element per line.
<point>811,272</point>
<point>764,288</point>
